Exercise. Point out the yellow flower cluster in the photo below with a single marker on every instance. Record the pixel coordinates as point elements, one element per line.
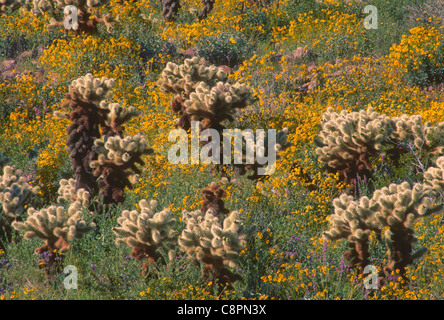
<point>420,42</point>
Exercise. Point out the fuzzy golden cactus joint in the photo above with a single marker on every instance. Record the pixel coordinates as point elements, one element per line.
<point>393,209</point>
<point>434,177</point>
<point>15,194</point>
<point>116,165</point>
<point>68,193</point>
<point>57,226</point>
<point>147,231</point>
<point>116,117</point>
<point>215,241</point>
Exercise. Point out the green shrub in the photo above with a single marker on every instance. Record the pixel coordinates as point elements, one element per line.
<point>430,72</point>
<point>229,49</point>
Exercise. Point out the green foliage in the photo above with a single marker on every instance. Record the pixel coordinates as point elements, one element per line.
<point>426,71</point>
<point>229,49</point>
<point>295,7</point>
<point>257,19</point>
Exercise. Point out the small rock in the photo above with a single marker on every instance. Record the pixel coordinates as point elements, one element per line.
<point>7,64</point>
<point>336,73</point>
<point>311,67</point>
<point>301,55</point>
<point>189,53</point>
<point>275,57</point>
<point>25,55</point>
<point>8,74</point>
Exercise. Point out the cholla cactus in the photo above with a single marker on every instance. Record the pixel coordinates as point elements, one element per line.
<point>350,221</point>
<point>196,95</point>
<point>183,79</point>
<point>400,207</point>
<point>12,5</point>
<point>84,23</point>
<point>15,192</point>
<point>170,9</point>
<point>204,94</point>
<point>434,177</point>
<point>56,226</point>
<point>395,207</point>
<point>68,193</point>
<point>349,140</point>
<point>212,199</point>
<point>146,231</point>
<point>84,98</point>
<point>249,146</point>
<point>55,222</point>
<point>116,164</point>
<point>207,6</point>
<point>218,103</point>
<point>96,147</point>
<point>424,136</point>
<point>116,117</point>
<point>215,241</point>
